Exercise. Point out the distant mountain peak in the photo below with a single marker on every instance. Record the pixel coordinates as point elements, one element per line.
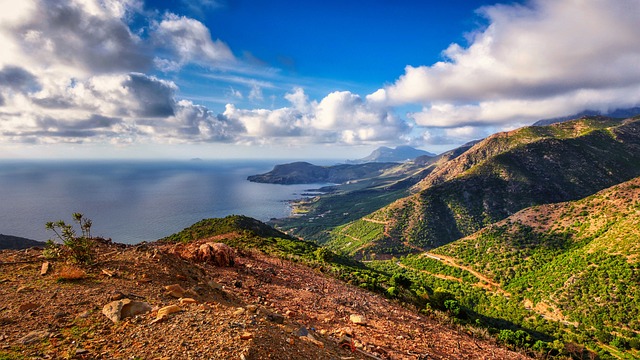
<point>401,153</point>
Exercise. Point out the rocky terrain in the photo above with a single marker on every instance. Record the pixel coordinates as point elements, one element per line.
<point>160,301</point>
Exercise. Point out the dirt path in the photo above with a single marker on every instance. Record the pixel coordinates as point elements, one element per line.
<point>386,234</point>
<point>439,276</point>
<point>492,285</point>
<point>375,221</point>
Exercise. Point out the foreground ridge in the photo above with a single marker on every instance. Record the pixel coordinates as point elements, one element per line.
<point>262,306</point>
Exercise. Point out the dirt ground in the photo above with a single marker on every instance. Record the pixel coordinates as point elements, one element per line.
<point>259,308</point>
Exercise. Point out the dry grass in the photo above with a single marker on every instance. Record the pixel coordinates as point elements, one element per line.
<point>70,273</point>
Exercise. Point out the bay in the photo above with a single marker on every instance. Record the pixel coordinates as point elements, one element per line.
<point>134,201</point>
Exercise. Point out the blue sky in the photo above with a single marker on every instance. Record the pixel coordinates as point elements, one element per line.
<point>312,79</point>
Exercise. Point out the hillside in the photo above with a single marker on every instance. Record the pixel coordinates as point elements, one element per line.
<point>315,217</point>
<point>275,300</point>
<point>505,173</point>
<point>16,242</point>
<point>306,173</point>
<point>386,154</point>
<point>617,113</point>
<point>577,262</point>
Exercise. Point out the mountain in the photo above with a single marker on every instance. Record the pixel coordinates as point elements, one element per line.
<point>280,298</point>
<point>399,154</point>
<point>306,173</point>
<point>16,242</point>
<point>618,113</point>
<point>499,176</point>
<point>315,217</point>
<point>577,262</point>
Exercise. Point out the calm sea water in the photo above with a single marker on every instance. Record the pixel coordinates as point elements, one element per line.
<point>135,201</point>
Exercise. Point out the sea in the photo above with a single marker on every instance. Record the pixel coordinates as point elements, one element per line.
<point>135,201</point>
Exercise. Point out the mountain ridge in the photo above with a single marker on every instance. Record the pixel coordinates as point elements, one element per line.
<point>399,154</point>
<point>508,172</point>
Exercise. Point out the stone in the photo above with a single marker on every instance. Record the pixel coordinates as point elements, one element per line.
<point>116,295</point>
<point>276,318</point>
<point>34,336</point>
<point>246,336</point>
<point>167,310</point>
<point>214,285</point>
<point>83,315</point>
<point>302,331</point>
<point>28,306</point>
<point>175,290</point>
<point>251,308</point>
<point>22,289</point>
<point>358,319</point>
<point>44,269</point>
<point>239,311</point>
<point>120,309</point>
<point>184,301</point>
<point>218,254</point>
<point>313,341</point>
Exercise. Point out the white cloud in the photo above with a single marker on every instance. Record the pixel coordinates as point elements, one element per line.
<point>546,59</point>
<point>255,94</point>
<point>189,41</point>
<point>341,117</point>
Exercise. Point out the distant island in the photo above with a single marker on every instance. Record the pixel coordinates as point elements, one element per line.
<point>17,243</point>
<point>306,173</point>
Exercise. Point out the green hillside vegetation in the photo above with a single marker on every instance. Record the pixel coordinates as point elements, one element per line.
<point>306,173</point>
<point>511,171</point>
<point>315,217</point>
<point>577,262</point>
<point>349,239</point>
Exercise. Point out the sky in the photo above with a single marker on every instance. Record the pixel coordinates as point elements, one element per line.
<point>225,79</point>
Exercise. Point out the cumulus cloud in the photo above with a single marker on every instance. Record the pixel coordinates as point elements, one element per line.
<point>188,41</point>
<point>72,73</point>
<point>75,36</point>
<point>340,117</point>
<point>543,59</point>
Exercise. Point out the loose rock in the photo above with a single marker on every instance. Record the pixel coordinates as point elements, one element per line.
<point>175,290</point>
<point>34,336</point>
<point>358,319</point>
<point>118,310</point>
<point>276,318</point>
<point>45,268</point>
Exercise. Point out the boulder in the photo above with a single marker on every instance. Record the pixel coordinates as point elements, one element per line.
<point>120,309</point>
<point>218,254</point>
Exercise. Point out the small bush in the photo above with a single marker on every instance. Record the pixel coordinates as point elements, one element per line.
<point>79,249</point>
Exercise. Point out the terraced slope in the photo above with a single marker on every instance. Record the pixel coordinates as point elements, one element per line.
<point>579,260</point>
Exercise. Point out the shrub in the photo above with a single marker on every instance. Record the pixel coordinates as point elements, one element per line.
<point>79,249</point>
<point>453,307</point>
<point>400,280</point>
